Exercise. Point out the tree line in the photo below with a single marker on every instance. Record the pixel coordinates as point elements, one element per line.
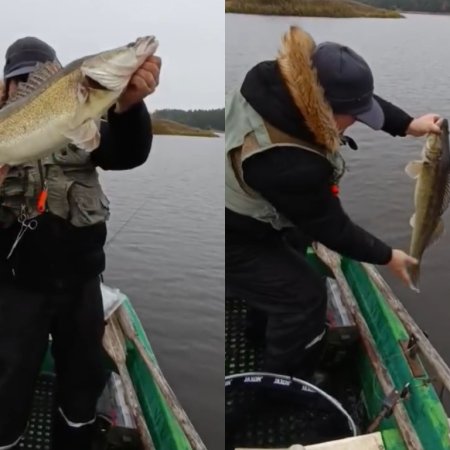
<point>205,119</point>
<point>308,8</point>
<point>439,6</point>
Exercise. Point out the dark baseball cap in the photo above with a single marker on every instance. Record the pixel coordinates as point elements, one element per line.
<point>348,83</point>
<point>23,55</point>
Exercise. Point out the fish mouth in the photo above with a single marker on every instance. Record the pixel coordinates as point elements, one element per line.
<point>112,70</point>
<point>145,46</point>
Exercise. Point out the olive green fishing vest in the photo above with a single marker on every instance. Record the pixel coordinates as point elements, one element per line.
<point>247,133</point>
<point>74,191</point>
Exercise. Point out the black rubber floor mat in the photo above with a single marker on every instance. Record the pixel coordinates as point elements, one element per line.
<point>256,418</point>
<point>239,355</point>
<point>38,436</point>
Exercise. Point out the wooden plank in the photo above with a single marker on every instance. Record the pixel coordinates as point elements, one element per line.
<point>166,391</point>
<point>427,350</point>
<point>114,344</point>
<point>405,427</point>
<point>372,441</point>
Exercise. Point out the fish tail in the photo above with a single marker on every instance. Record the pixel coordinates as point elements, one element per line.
<point>414,274</point>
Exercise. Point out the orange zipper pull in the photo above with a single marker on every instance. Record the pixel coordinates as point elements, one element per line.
<point>42,199</point>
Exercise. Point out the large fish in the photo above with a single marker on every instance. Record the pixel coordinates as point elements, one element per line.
<point>431,197</point>
<point>57,106</point>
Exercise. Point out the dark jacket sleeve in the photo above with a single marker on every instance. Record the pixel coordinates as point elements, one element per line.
<point>396,121</point>
<point>297,184</point>
<point>126,139</point>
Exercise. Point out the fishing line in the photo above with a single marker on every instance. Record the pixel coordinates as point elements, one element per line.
<point>141,205</point>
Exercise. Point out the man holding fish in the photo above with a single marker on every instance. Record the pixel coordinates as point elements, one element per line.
<point>284,126</point>
<point>52,220</point>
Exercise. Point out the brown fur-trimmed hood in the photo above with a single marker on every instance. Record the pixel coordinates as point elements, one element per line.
<point>300,77</point>
<point>288,95</point>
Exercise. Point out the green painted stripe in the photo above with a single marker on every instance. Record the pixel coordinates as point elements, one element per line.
<point>164,428</point>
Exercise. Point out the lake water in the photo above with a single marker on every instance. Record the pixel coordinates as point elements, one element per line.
<point>411,66</point>
<point>168,257</point>
<point>167,254</point>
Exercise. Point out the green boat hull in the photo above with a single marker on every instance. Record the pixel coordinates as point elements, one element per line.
<point>164,429</point>
<point>354,369</point>
<point>423,406</point>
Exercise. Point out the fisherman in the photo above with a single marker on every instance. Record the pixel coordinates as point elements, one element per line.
<point>50,284</point>
<point>284,126</point>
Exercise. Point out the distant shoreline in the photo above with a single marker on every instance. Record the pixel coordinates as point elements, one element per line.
<point>426,13</point>
<point>191,122</point>
<point>310,8</point>
<point>164,127</point>
<point>423,13</point>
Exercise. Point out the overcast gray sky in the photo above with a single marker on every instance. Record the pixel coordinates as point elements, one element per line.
<point>191,35</point>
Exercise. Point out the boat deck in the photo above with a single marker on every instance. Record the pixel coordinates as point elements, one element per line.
<point>255,420</point>
<point>38,436</point>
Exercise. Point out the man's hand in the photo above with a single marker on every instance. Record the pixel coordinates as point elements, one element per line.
<point>400,263</point>
<point>143,83</point>
<point>424,125</point>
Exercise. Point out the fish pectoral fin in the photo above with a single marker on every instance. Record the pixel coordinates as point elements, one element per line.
<point>437,233</point>
<point>413,168</point>
<point>412,221</point>
<point>82,93</point>
<point>86,136</point>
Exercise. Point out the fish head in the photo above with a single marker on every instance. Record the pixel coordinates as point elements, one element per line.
<point>435,143</point>
<point>432,150</point>
<point>112,70</point>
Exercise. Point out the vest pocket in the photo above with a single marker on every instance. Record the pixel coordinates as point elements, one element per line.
<point>18,189</point>
<point>88,204</point>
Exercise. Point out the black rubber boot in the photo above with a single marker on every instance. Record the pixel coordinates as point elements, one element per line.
<point>65,437</point>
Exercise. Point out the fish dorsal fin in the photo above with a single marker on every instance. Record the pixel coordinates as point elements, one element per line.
<point>40,75</point>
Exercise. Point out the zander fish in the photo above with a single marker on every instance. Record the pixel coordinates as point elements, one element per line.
<point>58,106</point>
<point>431,197</point>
